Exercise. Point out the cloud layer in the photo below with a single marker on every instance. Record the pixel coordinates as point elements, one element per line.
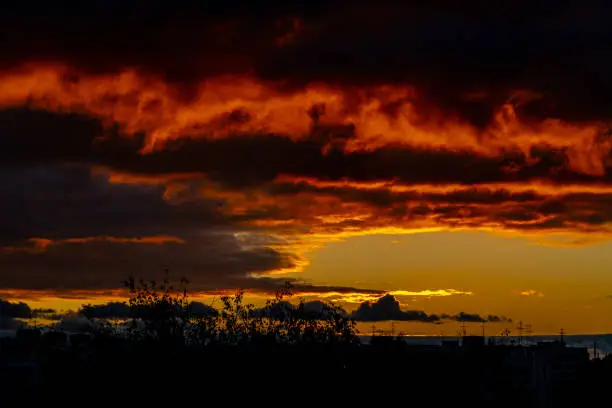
<point>225,141</point>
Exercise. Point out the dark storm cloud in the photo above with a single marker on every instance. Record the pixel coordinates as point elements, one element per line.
<point>93,234</point>
<point>584,210</point>
<point>385,197</point>
<point>30,136</point>
<point>466,59</point>
<point>68,201</point>
<point>244,161</point>
<point>177,39</point>
<point>449,50</point>
<point>212,261</point>
<point>55,201</point>
<point>39,136</point>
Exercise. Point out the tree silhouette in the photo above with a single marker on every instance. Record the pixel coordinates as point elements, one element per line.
<point>161,314</point>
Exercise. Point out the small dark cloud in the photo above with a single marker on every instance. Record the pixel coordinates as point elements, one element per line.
<point>313,310</point>
<point>110,310</point>
<point>121,310</point>
<point>498,319</point>
<point>388,308</point>
<point>15,309</point>
<point>476,318</point>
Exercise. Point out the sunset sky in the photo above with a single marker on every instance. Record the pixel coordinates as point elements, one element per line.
<point>456,155</point>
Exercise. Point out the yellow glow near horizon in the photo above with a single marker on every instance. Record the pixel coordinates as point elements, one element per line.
<point>446,272</point>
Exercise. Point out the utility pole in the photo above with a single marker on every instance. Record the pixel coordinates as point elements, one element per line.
<point>562,335</point>
<point>392,329</point>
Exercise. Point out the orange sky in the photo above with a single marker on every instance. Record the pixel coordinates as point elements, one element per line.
<point>323,216</point>
<point>423,152</point>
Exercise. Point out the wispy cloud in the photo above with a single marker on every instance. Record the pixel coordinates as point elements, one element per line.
<point>436,292</point>
<point>358,297</point>
<point>530,293</point>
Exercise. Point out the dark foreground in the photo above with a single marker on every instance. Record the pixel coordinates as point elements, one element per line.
<point>103,370</point>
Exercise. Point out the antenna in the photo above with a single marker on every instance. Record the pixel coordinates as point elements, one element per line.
<point>562,335</point>
<point>463,331</point>
<point>373,330</point>
<point>483,328</point>
<point>392,329</point>
<point>505,333</point>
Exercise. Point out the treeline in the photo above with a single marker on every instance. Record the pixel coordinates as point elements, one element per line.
<point>156,312</point>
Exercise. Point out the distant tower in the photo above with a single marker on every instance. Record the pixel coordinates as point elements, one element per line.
<point>562,336</point>
<point>505,333</point>
<point>461,332</point>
